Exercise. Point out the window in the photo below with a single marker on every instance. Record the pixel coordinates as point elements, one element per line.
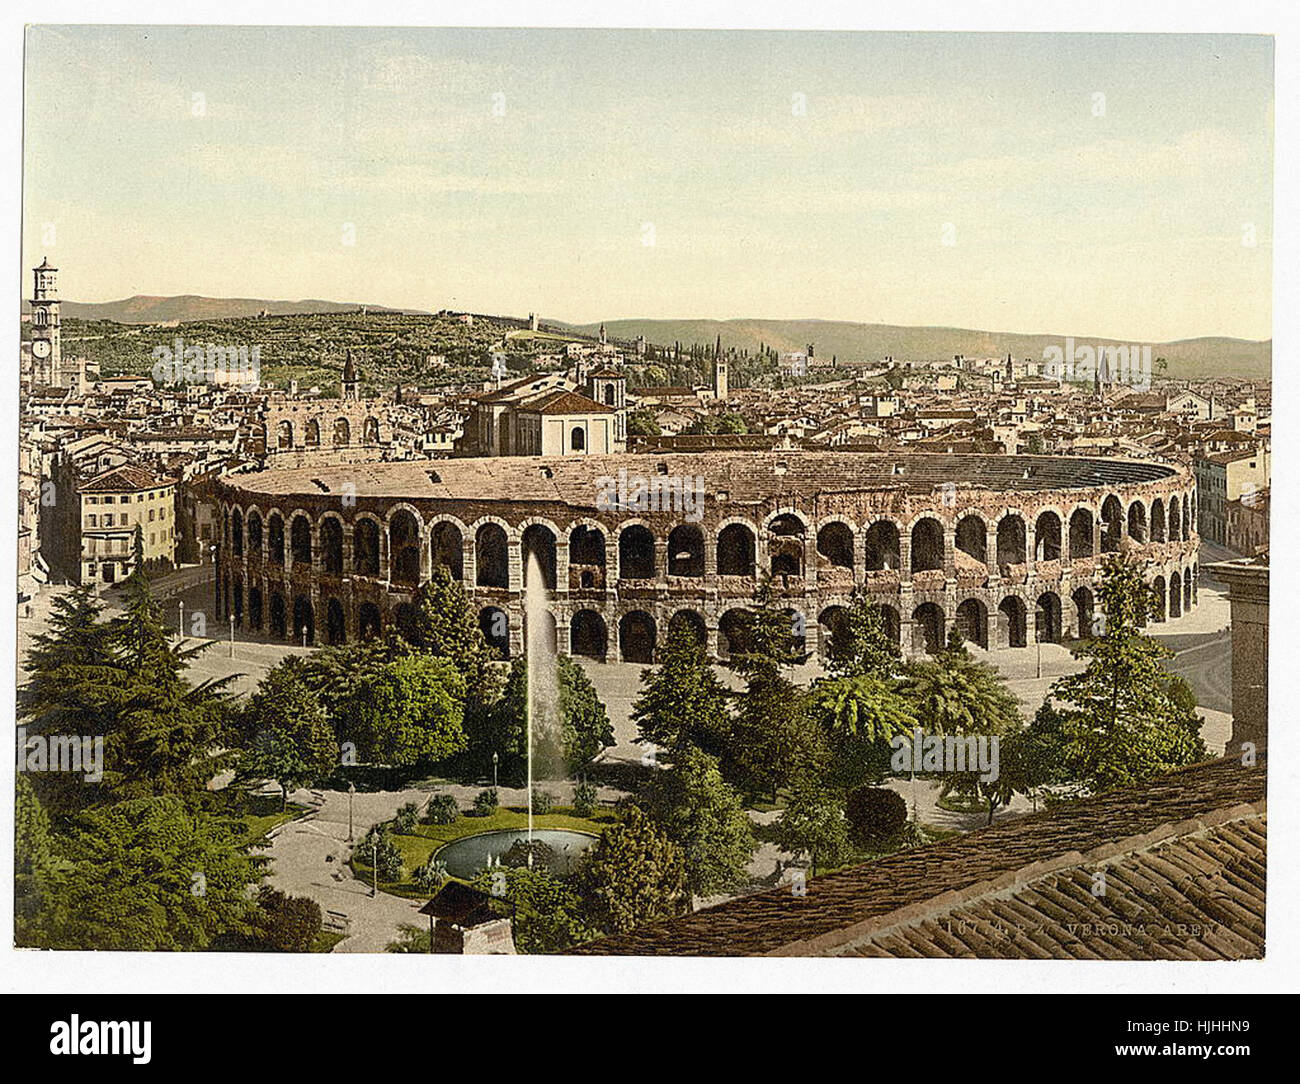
<point>578,439</point>
<point>92,520</point>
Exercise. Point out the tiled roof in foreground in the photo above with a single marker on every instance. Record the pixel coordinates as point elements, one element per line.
<point>1183,857</point>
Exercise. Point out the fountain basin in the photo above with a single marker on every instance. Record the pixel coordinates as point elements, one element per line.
<point>469,855</point>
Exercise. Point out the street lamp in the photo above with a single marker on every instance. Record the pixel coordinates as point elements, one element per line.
<point>352,789</point>
<point>495,758</point>
<point>374,865</point>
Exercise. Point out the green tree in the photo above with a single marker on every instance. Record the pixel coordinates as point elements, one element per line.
<point>446,625</point>
<point>147,874</point>
<point>813,824</point>
<point>642,423</point>
<point>584,726</point>
<point>1121,718</point>
<point>860,714</point>
<point>633,875</point>
<point>705,817</point>
<point>548,914</point>
<point>411,710</point>
<point>682,702</point>
<point>292,741</point>
<point>859,644</point>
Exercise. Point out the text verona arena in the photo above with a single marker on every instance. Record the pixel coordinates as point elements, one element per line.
<point>1009,548</point>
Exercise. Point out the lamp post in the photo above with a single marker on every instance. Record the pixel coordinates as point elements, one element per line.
<point>180,627</point>
<point>352,789</point>
<point>374,865</point>
<point>495,758</point>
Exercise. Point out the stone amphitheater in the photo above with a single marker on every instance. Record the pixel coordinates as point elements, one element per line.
<point>1007,547</point>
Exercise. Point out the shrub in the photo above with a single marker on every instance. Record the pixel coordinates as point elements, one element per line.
<point>286,923</point>
<point>432,875</point>
<point>407,818</point>
<point>486,802</point>
<point>584,798</point>
<point>517,856</point>
<point>543,801</point>
<point>442,809</point>
<point>874,814</point>
<point>378,847</point>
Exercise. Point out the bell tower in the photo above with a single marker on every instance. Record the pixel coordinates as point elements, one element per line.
<point>47,349</point>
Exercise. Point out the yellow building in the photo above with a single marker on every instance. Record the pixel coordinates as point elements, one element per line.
<point>113,505</point>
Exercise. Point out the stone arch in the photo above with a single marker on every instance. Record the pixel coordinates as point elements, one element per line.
<point>304,621</point>
<point>686,550</point>
<point>1112,518</point>
<point>786,532</point>
<point>733,632</point>
<point>588,635</point>
<point>1175,520</point>
<point>1137,521</point>
<point>973,622</point>
<point>1159,598</point>
<point>342,433</point>
<point>1187,519</point>
<point>237,600</point>
<point>331,545</point>
<point>1158,521</point>
<point>335,625</point>
<point>1187,590</point>
<point>1081,531</point>
<point>736,549</point>
<point>369,621</point>
<point>538,541</point>
<point>491,555</point>
<point>832,621</point>
<point>637,637</point>
<point>927,545</point>
<point>1175,594</point>
<point>404,545</point>
<point>1011,540</point>
<point>279,624</point>
<point>365,546</point>
<point>300,539</point>
<point>892,621</point>
<point>636,553</point>
<point>587,557</point>
<point>311,434</point>
<point>494,623</point>
<point>694,621</point>
<point>1084,608</point>
<point>275,538</point>
<point>1047,618</point>
<point>237,532</point>
<point>578,439</point>
<point>928,629</point>
<point>835,544</point>
<point>973,537</point>
<point>284,436</point>
<point>1047,536</point>
<point>254,607</point>
<point>1011,622</point>
<point>447,547</point>
<point>254,533</point>
<point>370,431</point>
<point>882,546</point>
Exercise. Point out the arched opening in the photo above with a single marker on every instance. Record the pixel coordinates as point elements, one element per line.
<point>736,551</point>
<point>255,608</point>
<point>491,556</point>
<point>300,540</point>
<point>733,633</point>
<point>798,632</point>
<point>446,548</point>
<point>691,620</point>
<point>547,632</point>
<point>285,436</point>
<point>539,543</point>
<point>370,431</point>
<point>331,542</point>
<point>404,548</point>
<point>494,623</point>
<point>1175,593</point>
<point>1112,518</point>
<point>973,622</point>
<point>1084,607</point>
<point>304,621</point>
<point>1187,519</point>
<point>882,547</point>
<point>1137,521</point>
<point>1011,622</point>
<point>1187,591</point>
<point>586,559</point>
<point>369,623</point>
<point>1081,534</point>
<point>237,598</point>
<point>365,547</point>
<point>686,551</point>
<point>1011,541</point>
<point>636,637</point>
<point>578,439</point>
<point>254,534</point>
<point>312,435</point>
<point>927,546</point>
<point>927,629</point>
<point>237,532</point>
<point>1158,520</point>
<point>835,545</point>
<point>1047,537</point>
<point>636,553</point>
<point>406,618</point>
<point>833,623</point>
<point>275,539</point>
<point>785,542</point>
<point>1175,521</point>
<point>1159,599</point>
<point>973,538</point>
<point>587,635</point>
<point>335,627</point>
<point>1047,618</point>
<point>342,433</point>
<point>893,623</point>
<point>278,623</point>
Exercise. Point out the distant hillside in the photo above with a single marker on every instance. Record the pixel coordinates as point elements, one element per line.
<point>143,309</point>
<point>1188,358</point>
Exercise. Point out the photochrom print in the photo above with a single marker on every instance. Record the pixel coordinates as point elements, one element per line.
<point>662,493</point>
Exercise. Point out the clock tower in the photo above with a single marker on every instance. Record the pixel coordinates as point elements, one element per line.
<point>47,350</point>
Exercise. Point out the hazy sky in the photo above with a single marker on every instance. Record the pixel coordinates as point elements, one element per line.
<point>778,175</point>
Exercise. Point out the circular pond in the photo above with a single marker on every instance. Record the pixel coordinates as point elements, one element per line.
<point>466,857</point>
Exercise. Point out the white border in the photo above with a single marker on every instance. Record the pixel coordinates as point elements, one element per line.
<point>183,973</point>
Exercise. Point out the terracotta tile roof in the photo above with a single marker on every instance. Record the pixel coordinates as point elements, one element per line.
<point>125,479</point>
<point>566,402</point>
<point>1187,847</point>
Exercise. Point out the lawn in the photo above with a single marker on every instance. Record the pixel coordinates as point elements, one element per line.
<point>261,813</point>
<point>427,838</point>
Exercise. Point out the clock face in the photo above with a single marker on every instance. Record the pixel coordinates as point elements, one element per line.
<point>41,348</point>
